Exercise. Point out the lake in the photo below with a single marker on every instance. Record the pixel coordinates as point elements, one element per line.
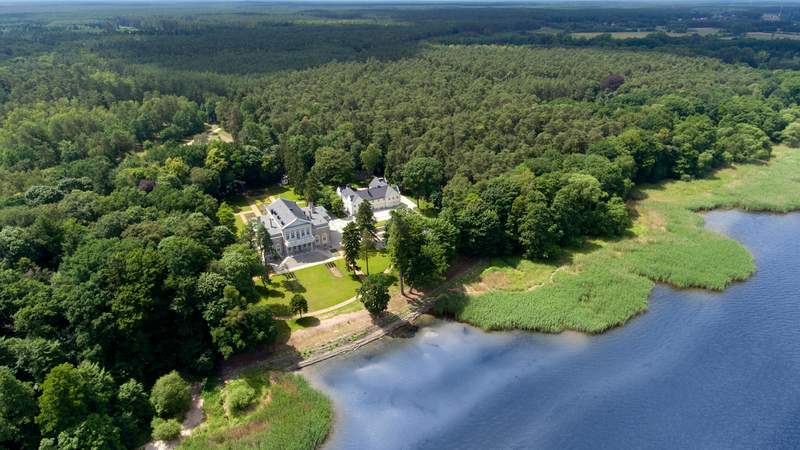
<point>698,370</point>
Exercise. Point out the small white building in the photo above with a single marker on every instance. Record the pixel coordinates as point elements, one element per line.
<point>380,194</point>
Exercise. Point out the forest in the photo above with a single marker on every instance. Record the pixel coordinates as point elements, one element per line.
<point>121,265</point>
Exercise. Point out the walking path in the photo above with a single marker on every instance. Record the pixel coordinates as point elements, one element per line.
<point>341,338</point>
<point>307,265</point>
<point>194,418</point>
<point>330,308</point>
<point>321,311</point>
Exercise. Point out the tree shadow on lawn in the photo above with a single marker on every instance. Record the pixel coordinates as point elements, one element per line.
<point>269,291</point>
<point>308,322</point>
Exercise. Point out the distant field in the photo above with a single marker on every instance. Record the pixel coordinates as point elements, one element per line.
<point>762,35</point>
<point>640,34</point>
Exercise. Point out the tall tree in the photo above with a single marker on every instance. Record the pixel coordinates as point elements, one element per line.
<point>298,304</point>
<point>365,221</point>
<point>401,243</point>
<point>225,217</point>
<point>374,293</point>
<point>422,176</point>
<point>333,166</point>
<point>17,410</point>
<point>351,244</point>
<point>371,158</point>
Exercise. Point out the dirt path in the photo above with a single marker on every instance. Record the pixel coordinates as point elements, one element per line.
<point>194,418</point>
<point>346,332</point>
<point>322,311</point>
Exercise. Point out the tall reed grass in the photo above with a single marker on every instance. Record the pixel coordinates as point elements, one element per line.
<point>606,286</point>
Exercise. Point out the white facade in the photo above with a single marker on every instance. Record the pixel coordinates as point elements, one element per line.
<point>380,194</point>
<point>296,230</point>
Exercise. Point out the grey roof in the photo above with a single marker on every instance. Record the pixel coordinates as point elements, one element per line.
<point>319,215</point>
<point>284,213</point>
<point>377,189</point>
<point>378,182</point>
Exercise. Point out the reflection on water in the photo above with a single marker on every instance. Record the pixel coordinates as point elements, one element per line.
<point>699,370</point>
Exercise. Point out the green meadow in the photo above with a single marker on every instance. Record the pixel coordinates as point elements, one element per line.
<point>321,286</point>
<point>274,410</point>
<point>605,283</point>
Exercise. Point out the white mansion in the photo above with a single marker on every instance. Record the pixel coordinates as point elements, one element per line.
<point>380,194</point>
<point>296,230</point>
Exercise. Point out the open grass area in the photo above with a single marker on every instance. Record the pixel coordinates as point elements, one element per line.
<point>378,262</point>
<point>701,31</point>
<point>321,286</point>
<point>284,413</point>
<point>318,284</point>
<point>608,282</point>
<point>286,192</point>
<point>768,36</point>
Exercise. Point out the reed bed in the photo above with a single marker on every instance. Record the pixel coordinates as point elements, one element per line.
<point>608,285</point>
<point>288,414</point>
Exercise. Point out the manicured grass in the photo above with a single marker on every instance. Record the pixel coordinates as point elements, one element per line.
<point>317,284</point>
<point>240,225</point>
<point>286,192</point>
<point>378,262</point>
<point>607,283</point>
<point>287,414</point>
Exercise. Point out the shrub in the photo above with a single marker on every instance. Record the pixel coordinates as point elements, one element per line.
<point>42,195</point>
<point>171,396</point>
<point>165,430</point>
<point>238,395</point>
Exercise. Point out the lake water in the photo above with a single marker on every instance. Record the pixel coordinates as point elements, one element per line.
<point>698,370</point>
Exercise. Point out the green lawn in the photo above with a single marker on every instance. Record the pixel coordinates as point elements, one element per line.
<point>285,413</point>
<point>242,202</point>
<point>378,262</point>
<point>240,225</point>
<point>238,202</point>
<point>607,283</point>
<point>286,192</point>
<point>317,284</point>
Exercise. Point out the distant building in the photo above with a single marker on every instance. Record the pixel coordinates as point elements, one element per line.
<point>296,230</point>
<point>380,194</point>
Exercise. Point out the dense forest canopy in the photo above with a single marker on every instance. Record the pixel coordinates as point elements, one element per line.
<point>120,260</point>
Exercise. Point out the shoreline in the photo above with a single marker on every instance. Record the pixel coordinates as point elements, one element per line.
<point>665,211</point>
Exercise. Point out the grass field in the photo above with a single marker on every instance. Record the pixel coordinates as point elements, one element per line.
<point>286,414</point>
<point>319,285</point>
<point>606,283</point>
<point>763,35</point>
<point>704,31</point>
<point>286,192</point>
